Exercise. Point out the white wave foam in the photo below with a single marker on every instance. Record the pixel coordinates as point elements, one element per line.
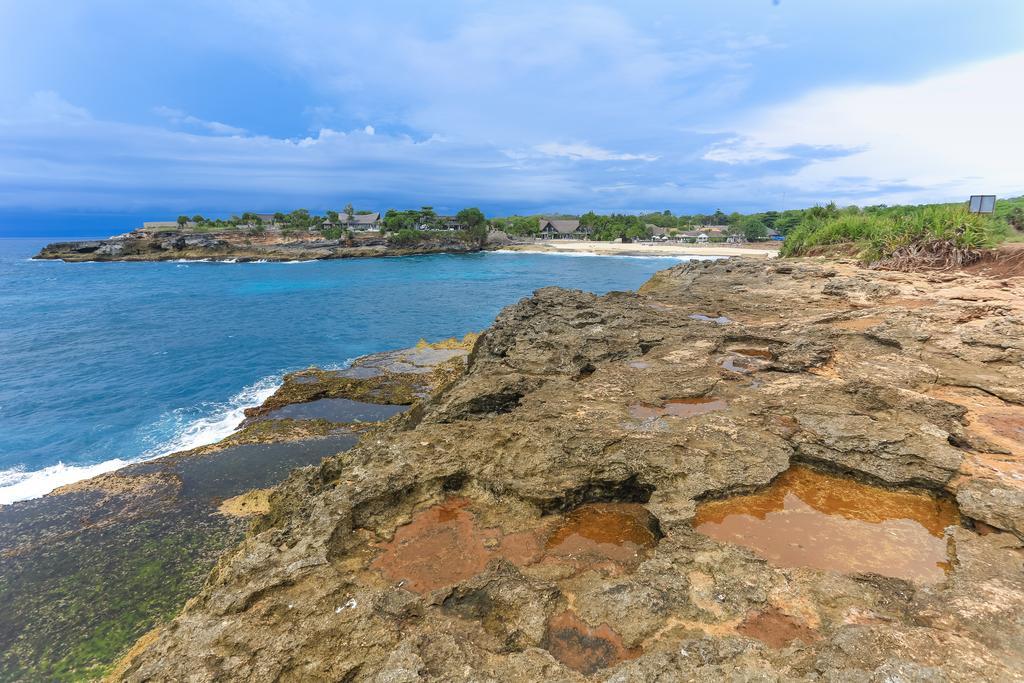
<point>17,484</point>
<point>344,365</point>
<point>216,422</point>
<point>189,428</point>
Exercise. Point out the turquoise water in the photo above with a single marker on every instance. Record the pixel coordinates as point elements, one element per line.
<point>106,363</point>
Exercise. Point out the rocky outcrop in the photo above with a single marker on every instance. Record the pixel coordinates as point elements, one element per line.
<point>570,400</point>
<point>92,566</point>
<point>241,246</point>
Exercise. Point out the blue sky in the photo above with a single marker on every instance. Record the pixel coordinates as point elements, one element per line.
<point>115,110</point>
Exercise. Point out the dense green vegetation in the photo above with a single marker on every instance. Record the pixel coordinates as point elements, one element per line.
<point>941,234</point>
<point>872,231</point>
<point>638,226</point>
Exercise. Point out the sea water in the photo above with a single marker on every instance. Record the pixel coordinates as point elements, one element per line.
<point>102,364</point>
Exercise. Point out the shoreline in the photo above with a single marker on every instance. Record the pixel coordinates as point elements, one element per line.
<point>566,404</point>
<point>637,249</point>
<point>206,430</point>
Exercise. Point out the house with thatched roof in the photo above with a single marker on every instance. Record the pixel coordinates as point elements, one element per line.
<point>360,221</point>
<point>564,229</point>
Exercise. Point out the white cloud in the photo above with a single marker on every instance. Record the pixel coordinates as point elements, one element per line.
<point>369,130</point>
<point>743,151</point>
<point>493,74</point>
<point>98,164</point>
<point>588,152</point>
<point>178,117</point>
<point>44,106</point>
<point>950,134</point>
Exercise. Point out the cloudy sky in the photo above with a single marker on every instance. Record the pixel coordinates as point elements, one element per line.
<point>114,110</point>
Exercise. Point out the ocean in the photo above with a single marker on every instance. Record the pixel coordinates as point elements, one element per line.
<point>109,363</point>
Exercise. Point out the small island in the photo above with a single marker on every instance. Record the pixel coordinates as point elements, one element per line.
<point>295,236</point>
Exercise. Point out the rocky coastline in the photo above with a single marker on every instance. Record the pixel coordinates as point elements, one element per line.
<point>559,511</point>
<point>579,498</point>
<point>235,246</point>
<point>92,566</point>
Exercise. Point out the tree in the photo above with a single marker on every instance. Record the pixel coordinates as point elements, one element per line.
<point>332,216</point>
<point>753,229</point>
<point>718,217</point>
<point>1016,218</point>
<point>196,219</point>
<point>182,221</point>
<point>474,223</point>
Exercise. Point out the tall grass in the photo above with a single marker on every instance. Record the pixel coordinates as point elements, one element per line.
<point>929,230</point>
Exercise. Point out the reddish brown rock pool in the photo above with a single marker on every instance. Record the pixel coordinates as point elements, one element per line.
<point>810,519</point>
<point>584,648</point>
<point>444,545</point>
<point>618,534</point>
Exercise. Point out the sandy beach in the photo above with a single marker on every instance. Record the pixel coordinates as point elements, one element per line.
<point>764,250</point>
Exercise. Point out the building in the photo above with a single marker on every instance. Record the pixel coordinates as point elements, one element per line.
<point>158,226</point>
<point>564,229</point>
<point>775,236</point>
<point>360,221</point>
<point>657,232</point>
<point>448,223</point>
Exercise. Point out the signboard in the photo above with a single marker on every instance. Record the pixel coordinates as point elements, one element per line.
<point>983,203</point>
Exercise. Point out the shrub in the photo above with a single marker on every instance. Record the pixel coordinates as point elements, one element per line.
<point>407,236</point>
<point>933,236</point>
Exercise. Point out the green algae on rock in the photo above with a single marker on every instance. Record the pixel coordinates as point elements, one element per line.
<point>91,567</point>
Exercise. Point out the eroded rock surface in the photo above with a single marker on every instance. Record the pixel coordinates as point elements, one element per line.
<point>242,245</point>
<point>908,382</point>
<point>89,568</point>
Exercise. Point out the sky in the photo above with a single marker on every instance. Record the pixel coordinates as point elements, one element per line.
<point>115,111</point>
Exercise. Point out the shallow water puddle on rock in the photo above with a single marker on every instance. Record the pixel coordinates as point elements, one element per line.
<point>809,519</point>
<point>583,648</point>
<point>443,545</point>
<point>619,534</point>
<point>688,407</point>
<point>745,361</point>
<point>719,320</point>
<point>678,407</point>
<point>754,353</point>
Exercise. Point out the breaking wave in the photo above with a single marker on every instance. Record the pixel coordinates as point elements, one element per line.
<point>179,430</point>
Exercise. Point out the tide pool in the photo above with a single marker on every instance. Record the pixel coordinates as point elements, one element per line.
<point>109,363</point>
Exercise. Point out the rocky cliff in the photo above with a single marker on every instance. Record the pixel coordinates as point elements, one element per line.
<point>241,246</point>
<point>551,514</point>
